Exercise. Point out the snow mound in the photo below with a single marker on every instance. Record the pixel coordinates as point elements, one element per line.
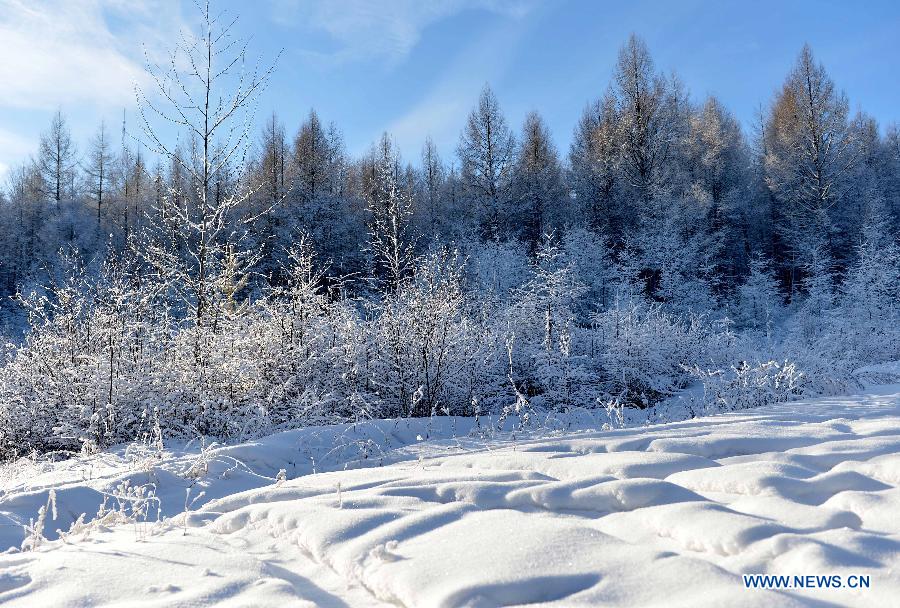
<point>664,515</point>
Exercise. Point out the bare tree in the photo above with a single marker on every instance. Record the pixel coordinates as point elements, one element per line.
<point>57,158</point>
<point>100,159</point>
<point>432,181</point>
<point>208,90</point>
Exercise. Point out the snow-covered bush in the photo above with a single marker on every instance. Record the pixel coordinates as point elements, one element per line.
<point>745,386</point>
<point>646,353</point>
<point>541,328</point>
<point>420,345</point>
<point>112,357</point>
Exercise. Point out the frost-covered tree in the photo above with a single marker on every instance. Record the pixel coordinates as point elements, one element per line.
<point>311,158</point>
<point>208,89</point>
<point>537,201</point>
<point>134,194</point>
<point>99,169</point>
<point>593,262</point>
<point>812,321</point>
<point>25,214</point>
<point>869,299</point>
<point>641,110</point>
<point>888,173</point>
<point>320,204</point>
<point>390,209</point>
<point>231,290</point>
<point>595,160</point>
<point>433,178</point>
<point>57,159</point>
<point>271,169</point>
<point>486,153</point>
<point>717,162</point>
<point>759,302</point>
<point>540,330</point>
<point>421,344</point>
<point>808,154</point>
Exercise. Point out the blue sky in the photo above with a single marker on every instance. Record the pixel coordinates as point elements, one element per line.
<point>415,68</point>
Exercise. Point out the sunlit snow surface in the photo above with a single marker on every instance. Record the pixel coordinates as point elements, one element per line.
<point>661,515</point>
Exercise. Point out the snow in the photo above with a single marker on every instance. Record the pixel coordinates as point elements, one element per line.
<point>440,512</point>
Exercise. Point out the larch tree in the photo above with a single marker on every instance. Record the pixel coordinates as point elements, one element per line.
<point>433,177</point>
<point>759,302</point>
<point>57,159</point>
<point>318,205</point>
<point>538,196</point>
<point>595,159</point>
<point>390,211</point>
<point>717,161</point>
<point>311,155</point>
<point>809,152</point>
<point>641,111</point>
<point>274,163</point>
<point>870,294</point>
<point>272,172</point>
<point>99,169</point>
<point>486,153</point>
<point>889,173</point>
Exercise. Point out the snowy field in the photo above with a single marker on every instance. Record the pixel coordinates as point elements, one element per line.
<point>400,513</point>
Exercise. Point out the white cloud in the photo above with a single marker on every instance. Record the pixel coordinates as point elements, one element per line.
<point>364,29</point>
<point>442,111</point>
<point>72,51</point>
<point>437,117</point>
<point>14,148</point>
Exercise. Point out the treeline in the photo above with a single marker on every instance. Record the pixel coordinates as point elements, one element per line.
<point>673,185</point>
<point>217,292</point>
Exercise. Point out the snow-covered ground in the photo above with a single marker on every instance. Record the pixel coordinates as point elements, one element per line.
<point>387,514</point>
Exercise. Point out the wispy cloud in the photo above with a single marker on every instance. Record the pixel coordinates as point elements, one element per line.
<point>386,31</point>
<point>73,51</point>
<point>442,110</point>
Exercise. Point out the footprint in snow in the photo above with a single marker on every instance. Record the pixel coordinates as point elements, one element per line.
<point>385,552</point>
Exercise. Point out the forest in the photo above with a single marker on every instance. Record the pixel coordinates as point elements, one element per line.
<point>244,279</point>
